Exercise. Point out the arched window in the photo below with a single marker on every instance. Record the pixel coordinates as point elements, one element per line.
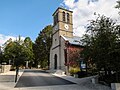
<point>68,17</point>
<point>64,16</point>
<point>56,19</point>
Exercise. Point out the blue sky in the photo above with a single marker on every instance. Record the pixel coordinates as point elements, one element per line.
<point>26,17</point>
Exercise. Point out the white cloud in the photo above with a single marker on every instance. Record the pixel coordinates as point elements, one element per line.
<point>4,38</point>
<point>83,11</point>
<point>69,3</point>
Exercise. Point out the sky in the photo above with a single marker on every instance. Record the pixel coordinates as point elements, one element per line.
<point>28,17</point>
<point>25,17</point>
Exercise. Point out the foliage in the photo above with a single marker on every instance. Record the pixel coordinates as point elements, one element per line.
<point>74,56</point>
<point>41,47</point>
<point>1,57</point>
<point>101,43</point>
<point>18,51</point>
<point>13,51</point>
<point>28,48</point>
<point>74,70</point>
<point>118,4</point>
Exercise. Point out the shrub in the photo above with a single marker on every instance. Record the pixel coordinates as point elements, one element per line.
<point>73,71</point>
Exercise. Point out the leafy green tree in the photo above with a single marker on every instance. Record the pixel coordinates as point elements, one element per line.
<point>41,47</point>
<point>8,51</point>
<point>19,51</point>
<point>28,50</point>
<point>13,51</point>
<point>102,44</point>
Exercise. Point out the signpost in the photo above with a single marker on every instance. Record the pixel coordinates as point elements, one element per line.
<point>82,64</point>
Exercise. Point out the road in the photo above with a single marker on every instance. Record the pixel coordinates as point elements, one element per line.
<point>32,78</point>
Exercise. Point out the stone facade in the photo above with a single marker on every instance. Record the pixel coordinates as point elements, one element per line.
<point>5,68</point>
<point>58,43</point>
<point>62,33</point>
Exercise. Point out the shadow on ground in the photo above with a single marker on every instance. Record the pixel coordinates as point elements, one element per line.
<point>7,78</point>
<point>40,78</point>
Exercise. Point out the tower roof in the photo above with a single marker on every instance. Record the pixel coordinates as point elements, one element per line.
<point>62,9</point>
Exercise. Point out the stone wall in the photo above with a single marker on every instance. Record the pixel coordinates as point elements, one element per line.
<point>5,68</point>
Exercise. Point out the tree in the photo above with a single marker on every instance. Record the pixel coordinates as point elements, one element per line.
<point>102,44</point>
<point>28,50</point>
<point>14,51</point>
<point>1,57</point>
<point>74,57</point>
<point>19,51</point>
<point>41,47</point>
<point>118,5</point>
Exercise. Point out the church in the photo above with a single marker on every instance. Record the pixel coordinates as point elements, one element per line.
<point>63,40</point>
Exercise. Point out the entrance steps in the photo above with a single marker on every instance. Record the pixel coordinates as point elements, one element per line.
<point>59,72</point>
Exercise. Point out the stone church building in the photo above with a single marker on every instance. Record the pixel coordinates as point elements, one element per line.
<point>62,39</point>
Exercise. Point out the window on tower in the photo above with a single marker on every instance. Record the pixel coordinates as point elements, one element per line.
<point>68,18</point>
<point>63,16</point>
<point>56,19</point>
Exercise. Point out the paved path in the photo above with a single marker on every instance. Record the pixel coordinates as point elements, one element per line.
<point>7,83</point>
<point>7,80</point>
<point>32,78</point>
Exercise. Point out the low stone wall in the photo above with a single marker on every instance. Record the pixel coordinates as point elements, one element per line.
<point>5,68</point>
<point>115,86</point>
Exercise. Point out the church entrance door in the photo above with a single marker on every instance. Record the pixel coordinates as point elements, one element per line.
<point>55,61</point>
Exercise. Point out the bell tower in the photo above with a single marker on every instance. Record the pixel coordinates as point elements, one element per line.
<point>63,24</point>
